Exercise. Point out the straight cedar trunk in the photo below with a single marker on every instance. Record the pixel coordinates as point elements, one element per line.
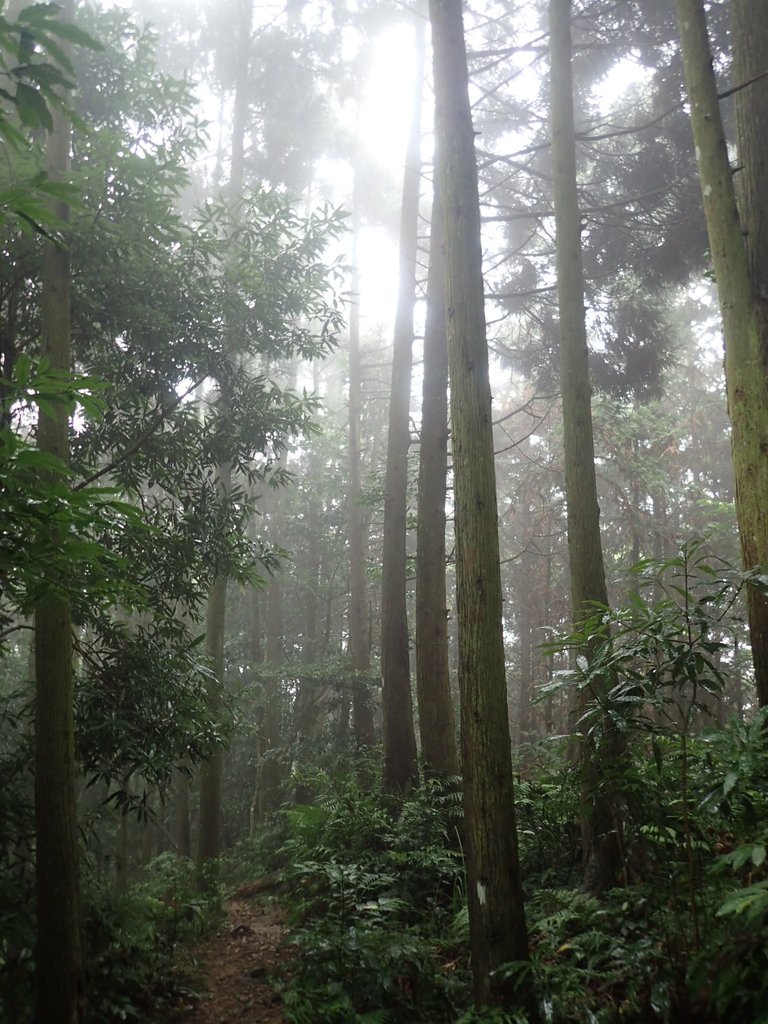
<point>498,932</point>
<point>528,622</point>
<point>750,53</point>
<point>601,851</point>
<point>303,707</point>
<point>209,828</point>
<point>742,311</point>
<point>59,996</point>
<point>400,769</point>
<point>437,728</point>
<point>305,710</point>
<point>181,831</point>
<point>256,658</point>
<point>209,835</point>
<point>274,650</point>
<point>357,615</point>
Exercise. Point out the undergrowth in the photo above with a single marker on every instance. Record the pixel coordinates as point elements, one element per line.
<point>378,916</point>
<point>373,901</point>
<point>136,942</point>
<point>377,900</point>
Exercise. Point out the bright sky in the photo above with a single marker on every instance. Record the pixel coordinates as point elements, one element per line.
<point>384,120</point>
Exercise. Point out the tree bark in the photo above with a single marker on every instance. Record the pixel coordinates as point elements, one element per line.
<point>400,769</point>
<point>60,992</point>
<point>437,727</point>
<point>585,554</point>
<point>498,932</point>
<point>750,53</point>
<point>743,310</point>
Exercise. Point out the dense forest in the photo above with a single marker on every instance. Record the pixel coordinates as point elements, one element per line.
<point>383,532</point>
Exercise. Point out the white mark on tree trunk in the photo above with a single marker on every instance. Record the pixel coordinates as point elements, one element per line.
<point>481,894</point>
<point>707,191</point>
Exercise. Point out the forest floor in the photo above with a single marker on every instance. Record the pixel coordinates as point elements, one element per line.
<point>237,963</point>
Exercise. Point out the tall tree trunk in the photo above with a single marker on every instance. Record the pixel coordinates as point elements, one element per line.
<point>209,832</point>
<point>743,308</point>
<point>275,628</point>
<point>240,108</point>
<point>58,959</point>
<point>359,632</point>
<point>750,53</point>
<point>585,554</point>
<point>498,932</point>
<point>400,769</point>
<point>209,825</point>
<point>527,624</point>
<point>303,714</point>
<point>437,727</point>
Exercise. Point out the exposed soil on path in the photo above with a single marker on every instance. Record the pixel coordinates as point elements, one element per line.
<point>237,963</point>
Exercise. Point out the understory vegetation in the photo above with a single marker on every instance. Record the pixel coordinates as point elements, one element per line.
<point>382,532</point>
<point>375,892</point>
<point>378,904</point>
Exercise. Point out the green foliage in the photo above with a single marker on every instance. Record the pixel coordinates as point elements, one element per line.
<point>36,69</point>
<point>132,943</point>
<point>684,939</point>
<point>17,932</point>
<point>372,900</point>
<point>52,532</point>
<point>661,654</point>
<point>548,838</point>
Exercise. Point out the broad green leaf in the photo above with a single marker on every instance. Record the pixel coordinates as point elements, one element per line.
<point>22,370</point>
<point>731,778</point>
<point>32,108</point>
<point>35,459</point>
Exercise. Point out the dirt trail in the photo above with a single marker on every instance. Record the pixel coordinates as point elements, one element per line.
<point>236,965</point>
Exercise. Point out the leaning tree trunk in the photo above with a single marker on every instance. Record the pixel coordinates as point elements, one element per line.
<point>585,554</point>
<point>498,931</point>
<point>750,52</point>
<point>437,727</point>
<point>58,957</point>
<point>400,770</point>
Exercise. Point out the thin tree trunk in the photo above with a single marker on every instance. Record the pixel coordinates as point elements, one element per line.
<point>498,932</point>
<point>526,626</point>
<point>181,830</point>
<point>601,847</point>
<point>58,959</point>
<point>241,106</point>
<point>359,631</point>
<point>744,314</point>
<point>437,727</point>
<point>209,832</point>
<point>121,852</point>
<point>400,769</point>
<point>209,826</point>
<point>275,626</point>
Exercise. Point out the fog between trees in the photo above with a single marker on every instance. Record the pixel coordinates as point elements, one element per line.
<point>450,618</point>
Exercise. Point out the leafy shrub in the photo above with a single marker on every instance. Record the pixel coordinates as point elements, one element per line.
<point>371,900</point>
<point>135,972</point>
